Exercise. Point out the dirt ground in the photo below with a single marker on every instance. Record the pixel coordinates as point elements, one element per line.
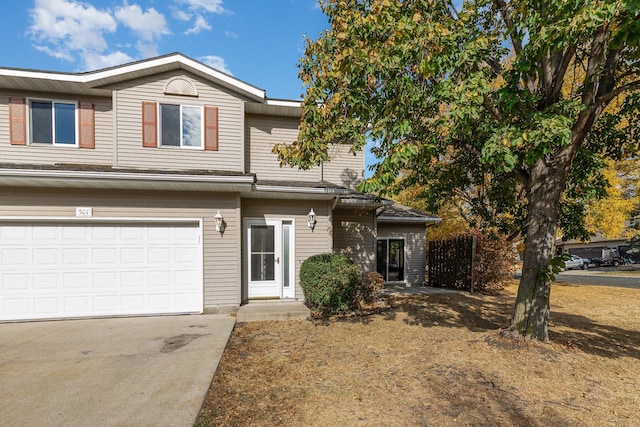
<point>437,360</point>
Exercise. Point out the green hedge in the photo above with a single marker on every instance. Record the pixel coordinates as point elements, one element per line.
<point>331,283</point>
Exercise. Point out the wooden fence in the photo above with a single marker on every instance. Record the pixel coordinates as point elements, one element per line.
<point>451,262</point>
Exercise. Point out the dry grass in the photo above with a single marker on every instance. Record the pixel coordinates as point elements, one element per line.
<point>437,360</point>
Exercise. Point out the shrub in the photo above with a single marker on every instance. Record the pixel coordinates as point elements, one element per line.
<point>330,282</point>
<point>372,284</point>
<point>494,262</point>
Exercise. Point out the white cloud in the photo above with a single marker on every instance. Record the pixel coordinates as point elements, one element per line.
<point>149,25</point>
<point>95,61</point>
<point>181,14</point>
<point>216,62</point>
<point>76,31</point>
<point>197,10</point>
<point>211,6</point>
<point>199,25</point>
<point>62,27</point>
<point>231,34</point>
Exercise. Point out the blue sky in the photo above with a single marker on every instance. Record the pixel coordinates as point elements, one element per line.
<point>258,41</point>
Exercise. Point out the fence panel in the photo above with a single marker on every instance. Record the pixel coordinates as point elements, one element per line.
<point>451,262</point>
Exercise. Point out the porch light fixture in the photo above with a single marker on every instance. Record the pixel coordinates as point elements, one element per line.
<point>218,219</point>
<point>312,219</point>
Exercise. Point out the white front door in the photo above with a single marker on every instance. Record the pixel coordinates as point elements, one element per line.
<point>270,254</point>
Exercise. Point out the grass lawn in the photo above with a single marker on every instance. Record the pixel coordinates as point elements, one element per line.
<point>437,360</point>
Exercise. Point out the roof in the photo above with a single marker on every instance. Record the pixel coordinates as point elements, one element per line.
<point>402,214</point>
<point>98,82</point>
<point>107,177</point>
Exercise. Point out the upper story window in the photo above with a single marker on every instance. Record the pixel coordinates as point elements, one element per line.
<point>53,122</point>
<point>181,126</point>
<point>61,123</point>
<point>186,126</point>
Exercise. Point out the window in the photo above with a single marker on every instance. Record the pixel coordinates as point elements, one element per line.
<point>181,126</point>
<point>53,122</point>
<point>390,259</point>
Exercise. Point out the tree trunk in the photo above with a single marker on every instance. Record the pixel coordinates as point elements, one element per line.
<point>531,314</point>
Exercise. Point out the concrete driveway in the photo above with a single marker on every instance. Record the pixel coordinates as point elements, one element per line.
<point>144,371</point>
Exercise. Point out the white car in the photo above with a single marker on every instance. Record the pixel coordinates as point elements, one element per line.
<point>576,262</point>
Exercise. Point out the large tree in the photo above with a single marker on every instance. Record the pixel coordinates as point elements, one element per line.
<point>512,89</point>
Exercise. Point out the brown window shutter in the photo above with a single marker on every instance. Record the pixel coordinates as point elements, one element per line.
<point>211,128</point>
<point>149,124</point>
<point>86,116</point>
<point>18,121</point>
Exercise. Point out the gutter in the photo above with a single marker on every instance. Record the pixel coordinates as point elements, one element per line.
<point>124,176</point>
<point>302,190</point>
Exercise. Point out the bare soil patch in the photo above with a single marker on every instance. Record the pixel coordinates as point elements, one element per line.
<point>437,360</point>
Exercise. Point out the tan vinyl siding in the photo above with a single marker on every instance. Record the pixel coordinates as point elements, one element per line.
<point>344,169</point>
<point>49,154</point>
<point>354,235</point>
<point>307,242</point>
<point>131,153</point>
<point>262,133</point>
<point>221,264</point>
<point>414,248</point>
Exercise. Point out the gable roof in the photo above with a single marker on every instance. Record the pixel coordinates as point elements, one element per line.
<point>97,82</point>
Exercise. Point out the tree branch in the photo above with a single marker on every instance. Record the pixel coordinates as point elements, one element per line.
<point>506,16</point>
<point>605,99</point>
<point>596,56</point>
<point>562,71</point>
<point>466,146</point>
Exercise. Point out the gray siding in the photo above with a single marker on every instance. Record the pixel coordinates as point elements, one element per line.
<point>221,262</point>
<point>102,154</point>
<point>262,133</point>
<point>130,153</point>
<point>414,248</point>
<point>344,169</point>
<point>354,234</point>
<point>307,242</point>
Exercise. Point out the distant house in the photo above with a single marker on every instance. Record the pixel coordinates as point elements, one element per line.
<point>595,246</point>
<point>151,188</point>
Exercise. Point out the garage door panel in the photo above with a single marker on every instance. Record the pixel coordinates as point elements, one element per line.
<point>76,270</point>
<point>45,281</point>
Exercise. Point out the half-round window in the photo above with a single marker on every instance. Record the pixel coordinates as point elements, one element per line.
<point>180,86</point>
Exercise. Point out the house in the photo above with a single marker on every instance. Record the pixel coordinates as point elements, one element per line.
<point>151,188</point>
<point>596,247</point>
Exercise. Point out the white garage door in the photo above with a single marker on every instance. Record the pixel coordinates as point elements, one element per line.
<point>56,270</point>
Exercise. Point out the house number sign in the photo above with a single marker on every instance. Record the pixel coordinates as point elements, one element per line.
<point>84,212</point>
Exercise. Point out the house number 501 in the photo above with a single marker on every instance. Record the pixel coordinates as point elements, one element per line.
<point>84,212</point>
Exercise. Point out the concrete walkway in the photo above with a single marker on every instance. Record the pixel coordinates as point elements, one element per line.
<point>273,310</point>
<point>144,371</point>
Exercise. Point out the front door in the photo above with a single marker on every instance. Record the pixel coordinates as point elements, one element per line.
<point>269,252</point>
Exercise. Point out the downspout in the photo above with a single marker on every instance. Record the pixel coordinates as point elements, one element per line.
<point>114,102</point>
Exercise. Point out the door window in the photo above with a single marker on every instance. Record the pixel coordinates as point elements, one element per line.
<point>390,259</point>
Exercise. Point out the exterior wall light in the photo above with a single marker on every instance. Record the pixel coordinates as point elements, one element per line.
<point>219,221</point>
<point>312,219</point>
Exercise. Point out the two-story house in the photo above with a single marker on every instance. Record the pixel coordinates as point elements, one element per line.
<point>151,188</point>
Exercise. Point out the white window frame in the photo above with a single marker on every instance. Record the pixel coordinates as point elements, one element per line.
<point>181,146</point>
<point>76,123</point>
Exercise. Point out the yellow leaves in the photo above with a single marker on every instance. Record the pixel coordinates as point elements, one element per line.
<point>417,17</point>
<point>608,216</point>
<point>341,35</point>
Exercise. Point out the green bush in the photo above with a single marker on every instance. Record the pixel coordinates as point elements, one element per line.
<point>331,283</point>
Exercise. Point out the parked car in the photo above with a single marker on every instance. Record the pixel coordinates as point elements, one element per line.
<point>577,262</point>
<point>609,257</point>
